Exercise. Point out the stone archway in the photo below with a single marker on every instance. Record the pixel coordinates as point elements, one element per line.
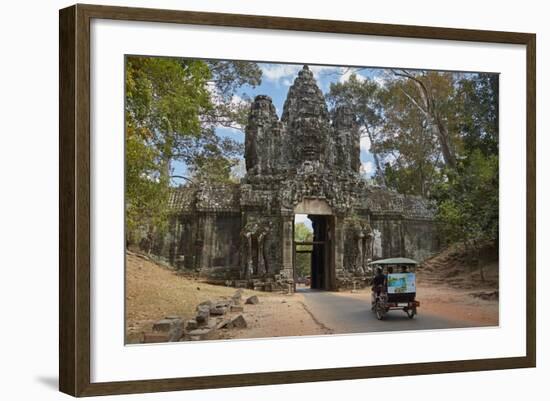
<point>323,272</point>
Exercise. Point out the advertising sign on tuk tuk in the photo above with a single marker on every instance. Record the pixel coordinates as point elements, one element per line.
<point>401,283</point>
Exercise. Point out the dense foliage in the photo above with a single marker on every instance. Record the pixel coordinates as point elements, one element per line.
<point>433,134</point>
<point>172,108</point>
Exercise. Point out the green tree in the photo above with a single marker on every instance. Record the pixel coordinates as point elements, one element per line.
<point>303,233</point>
<point>468,202</point>
<point>172,108</point>
<point>363,98</point>
<point>468,206</point>
<point>432,94</point>
<point>435,135</point>
<point>164,100</point>
<point>477,100</point>
<point>407,144</point>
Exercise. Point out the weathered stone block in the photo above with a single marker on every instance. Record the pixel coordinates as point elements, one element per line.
<point>164,325</point>
<point>203,314</point>
<point>253,300</point>
<point>205,305</point>
<point>177,331</point>
<point>201,334</point>
<point>223,324</point>
<point>191,325</point>
<point>218,311</point>
<point>225,303</point>
<point>238,322</point>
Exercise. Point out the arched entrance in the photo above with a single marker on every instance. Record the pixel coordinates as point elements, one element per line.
<point>320,247</point>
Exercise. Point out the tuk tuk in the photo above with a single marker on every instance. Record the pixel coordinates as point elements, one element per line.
<point>396,289</point>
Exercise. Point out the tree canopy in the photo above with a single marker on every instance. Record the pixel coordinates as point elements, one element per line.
<point>172,108</point>
<point>433,134</point>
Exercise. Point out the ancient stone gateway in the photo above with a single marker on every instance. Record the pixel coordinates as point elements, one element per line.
<point>323,247</point>
<point>307,162</point>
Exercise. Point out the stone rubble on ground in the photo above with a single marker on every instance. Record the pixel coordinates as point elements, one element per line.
<point>169,329</point>
<point>210,316</point>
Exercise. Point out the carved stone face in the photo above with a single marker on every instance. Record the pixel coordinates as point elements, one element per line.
<point>310,133</point>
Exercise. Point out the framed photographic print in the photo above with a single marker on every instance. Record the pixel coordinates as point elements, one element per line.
<point>250,200</point>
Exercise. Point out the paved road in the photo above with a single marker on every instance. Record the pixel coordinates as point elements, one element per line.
<point>350,313</point>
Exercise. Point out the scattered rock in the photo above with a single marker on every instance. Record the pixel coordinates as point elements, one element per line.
<point>164,325</point>
<point>253,300</point>
<point>173,329</point>
<point>205,304</point>
<point>223,324</point>
<point>191,325</point>
<point>200,334</point>
<point>236,308</point>
<point>226,303</point>
<point>218,311</point>
<point>238,322</point>
<point>177,332</point>
<point>203,314</point>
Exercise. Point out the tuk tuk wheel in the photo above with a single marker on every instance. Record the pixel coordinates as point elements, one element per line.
<point>411,313</point>
<point>380,312</point>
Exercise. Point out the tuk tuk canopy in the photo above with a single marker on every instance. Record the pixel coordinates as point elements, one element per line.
<point>394,261</point>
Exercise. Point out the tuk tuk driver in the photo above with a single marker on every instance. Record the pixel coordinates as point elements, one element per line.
<point>378,281</point>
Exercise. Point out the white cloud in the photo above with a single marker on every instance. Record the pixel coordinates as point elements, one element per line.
<point>286,82</point>
<point>320,71</point>
<point>380,80</point>
<point>367,168</point>
<point>348,72</point>
<point>302,218</point>
<point>364,143</point>
<point>286,73</point>
<point>275,72</point>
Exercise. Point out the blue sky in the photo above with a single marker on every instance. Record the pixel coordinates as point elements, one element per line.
<point>276,80</point>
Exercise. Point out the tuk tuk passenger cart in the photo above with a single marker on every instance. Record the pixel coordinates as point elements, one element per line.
<point>399,288</point>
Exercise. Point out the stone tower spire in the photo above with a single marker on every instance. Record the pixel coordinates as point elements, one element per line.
<point>307,122</point>
<point>262,137</point>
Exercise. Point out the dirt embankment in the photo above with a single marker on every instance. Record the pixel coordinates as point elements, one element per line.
<point>451,284</point>
<point>154,292</point>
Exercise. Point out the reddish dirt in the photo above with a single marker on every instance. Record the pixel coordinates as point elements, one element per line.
<point>450,284</point>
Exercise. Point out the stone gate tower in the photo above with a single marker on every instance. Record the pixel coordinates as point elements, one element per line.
<point>306,162</point>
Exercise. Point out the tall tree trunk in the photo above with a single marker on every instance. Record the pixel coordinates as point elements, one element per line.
<point>427,105</point>
<point>447,149</point>
<point>379,172</point>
